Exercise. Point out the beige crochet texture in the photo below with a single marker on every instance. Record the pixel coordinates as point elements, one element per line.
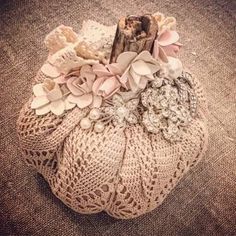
<point>123,171</point>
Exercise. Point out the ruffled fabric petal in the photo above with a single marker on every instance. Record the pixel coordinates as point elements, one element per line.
<point>155,52</point>
<point>109,86</point>
<point>140,67</point>
<point>171,50</point>
<point>162,55</point>
<point>100,70</point>
<point>144,56</point>
<point>98,82</point>
<point>85,87</point>
<point>150,76</point>
<point>135,76</point>
<point>97,101</point>
<point>174,68</point>
<point>43,110</point>
<point>87,72</point>
<point>81,101</point>
<point>38,90</point>
<point>168,37</point>
<point>61,79</point>
<point>50,71</point>
<point>133,86</point>
<point>124,78</point>
<point>57,107</point>
<point>39,102</point>
<point>55,93</point>
<point>74,90</point>
<point>114,68</point>
<point>143,83</point>
<point>153,67</point>
<point>124,59</point>
<point>69,105</point>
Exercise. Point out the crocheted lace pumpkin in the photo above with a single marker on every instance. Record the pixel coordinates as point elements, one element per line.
<point>129,166</point>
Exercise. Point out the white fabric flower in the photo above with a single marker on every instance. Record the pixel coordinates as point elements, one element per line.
<point>138,69</point>
<point>50,97</point>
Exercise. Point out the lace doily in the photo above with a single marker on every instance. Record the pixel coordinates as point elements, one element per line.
<point>97,35</point>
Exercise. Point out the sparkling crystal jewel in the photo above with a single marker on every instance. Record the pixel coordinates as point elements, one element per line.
<point>157,83</point>
<point>121,111</point>
<point>169,106</point>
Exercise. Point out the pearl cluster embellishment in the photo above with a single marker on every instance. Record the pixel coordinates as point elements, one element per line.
<point>92,119</point>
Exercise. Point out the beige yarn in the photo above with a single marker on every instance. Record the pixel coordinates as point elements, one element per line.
<point>123,171</point>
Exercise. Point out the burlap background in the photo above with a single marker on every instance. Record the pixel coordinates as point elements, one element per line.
<point>204,203</point>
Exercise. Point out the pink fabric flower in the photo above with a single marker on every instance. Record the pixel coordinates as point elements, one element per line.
<point>166,44</point>
<point>107,82</point>
<point>80,85</point>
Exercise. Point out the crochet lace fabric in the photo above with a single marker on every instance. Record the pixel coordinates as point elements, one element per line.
<point>125,171</point>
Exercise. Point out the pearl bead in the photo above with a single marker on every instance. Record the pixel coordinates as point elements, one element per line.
<point>94,114</point>
<point>85,123</point>
<point>99,127</point>
<point>173,69</point>
<point>122,112</point>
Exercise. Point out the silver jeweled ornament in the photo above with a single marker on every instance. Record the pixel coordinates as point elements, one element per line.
<point>120,111</point>
<point>169,106</point>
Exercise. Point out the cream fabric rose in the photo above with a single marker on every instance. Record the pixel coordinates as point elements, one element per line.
<point>138,69</point>
<point>80,86</point>
<point>50,97</point>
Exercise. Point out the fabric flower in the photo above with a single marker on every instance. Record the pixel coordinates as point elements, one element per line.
<point>80,85</point>
<point>50,97</point>
<point>138,69</point>
<point>166,44</point>
<point>107,82</point>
